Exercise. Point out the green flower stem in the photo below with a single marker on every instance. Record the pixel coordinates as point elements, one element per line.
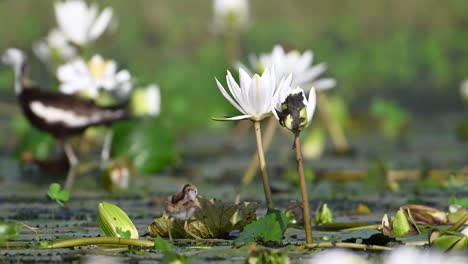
<point>347,245</point>
<point>87,241</point>
<point>459,223</point>
<point>263,168</point>
<point>305,195</point>
<point>268,138</point>
<point>334,128</point>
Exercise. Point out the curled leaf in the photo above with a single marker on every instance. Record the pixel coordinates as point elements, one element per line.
<point>426,214</point>
<point>213,219</point>
<point>448,240</point>
<point>114,222</point>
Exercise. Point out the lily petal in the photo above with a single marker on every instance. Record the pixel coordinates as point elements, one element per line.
<point>312,102</point>
<point>232,118</point>
<point>228,97</point>
<point>101,23</point>
<point>324,84</point>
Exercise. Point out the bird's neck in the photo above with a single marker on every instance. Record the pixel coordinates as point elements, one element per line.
<point>20,76</point>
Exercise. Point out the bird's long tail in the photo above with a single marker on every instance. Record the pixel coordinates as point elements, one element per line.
<point>116,112</point>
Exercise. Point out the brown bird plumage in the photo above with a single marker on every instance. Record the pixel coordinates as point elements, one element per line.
<point>181,205</point>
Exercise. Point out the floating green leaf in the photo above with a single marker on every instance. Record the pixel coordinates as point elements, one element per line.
<point>360,234</point>
<point>271,227</point>
<point>171,257</point>
<point>9,230</point>
<point>448,240</point>
<point>123,234</point>
<point>162,244</point>
<point>59,196</point>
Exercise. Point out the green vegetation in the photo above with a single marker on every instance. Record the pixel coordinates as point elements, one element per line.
<point>56,194</point>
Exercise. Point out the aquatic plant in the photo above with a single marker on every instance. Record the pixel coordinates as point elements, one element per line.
<point>253,98</point>
<point>294,112</point>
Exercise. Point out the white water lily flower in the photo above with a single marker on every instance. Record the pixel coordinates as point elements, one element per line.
<point>336,256</point>
<point>291,107</point>
<point>253,98</point>
<point>80,22</point>
<point>411,255</point>
<point>300,65</point>
<point>146,101</point>
<point>89,78</point>
<point>464,89</point>
<point>231,14</point>
<point>54,47</point>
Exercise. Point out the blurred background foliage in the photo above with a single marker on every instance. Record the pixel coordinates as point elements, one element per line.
<point>411,51</point>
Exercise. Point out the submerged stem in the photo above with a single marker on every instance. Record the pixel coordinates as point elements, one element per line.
<point>263,168</point>
<point>305,195</point>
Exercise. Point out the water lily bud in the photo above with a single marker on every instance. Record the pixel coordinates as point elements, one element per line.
<point>231,15</point>
<point>386,227</point>
<point>464,89</point>
<point>291,107</point>
<point>111,218</point>
<point>116,178</point>
<point>401,226</point>
<point>146,101</point>
<point>323,215</point>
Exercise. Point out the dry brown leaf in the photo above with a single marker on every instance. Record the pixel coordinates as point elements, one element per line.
<point>213,219</point>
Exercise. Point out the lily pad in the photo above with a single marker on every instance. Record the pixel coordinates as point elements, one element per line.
<point>270,228</point>
<point>213,219</point>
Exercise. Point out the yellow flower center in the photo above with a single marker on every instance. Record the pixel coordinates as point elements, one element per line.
<point>97,69</point>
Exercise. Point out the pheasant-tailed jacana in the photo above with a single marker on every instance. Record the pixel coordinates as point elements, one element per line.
<point>181,205</point>
<point>61,115</point>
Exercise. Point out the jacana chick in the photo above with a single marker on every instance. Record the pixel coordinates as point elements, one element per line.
<point>182,205</point>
